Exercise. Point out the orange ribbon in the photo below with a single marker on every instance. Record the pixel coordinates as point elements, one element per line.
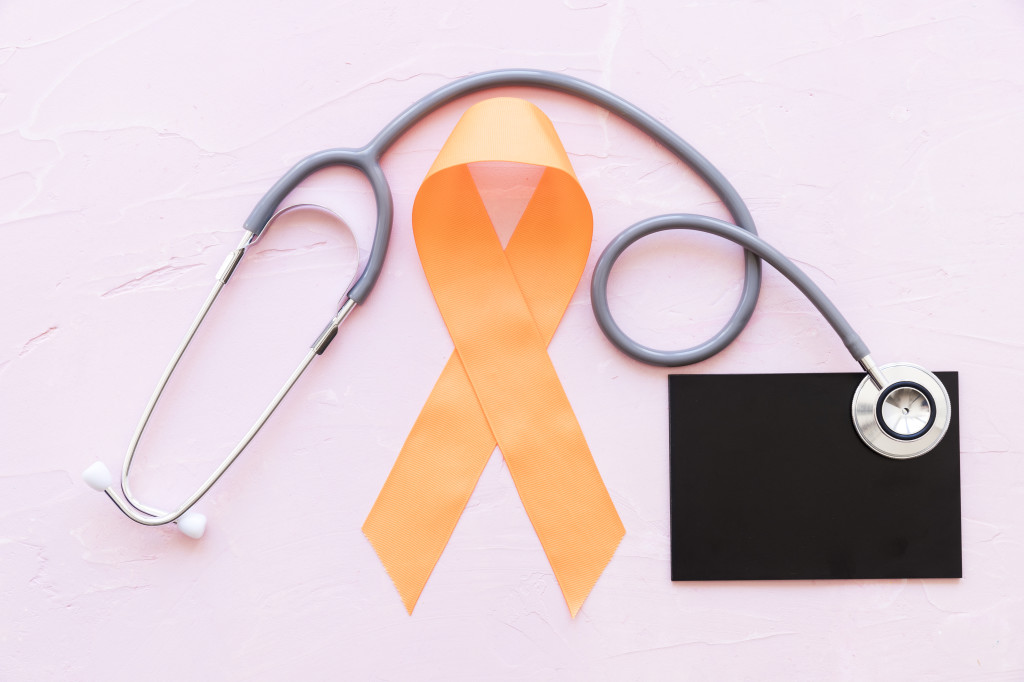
<point>501,308</point>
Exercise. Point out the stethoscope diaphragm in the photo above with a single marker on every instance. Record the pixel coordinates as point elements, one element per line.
<point>906,418</point>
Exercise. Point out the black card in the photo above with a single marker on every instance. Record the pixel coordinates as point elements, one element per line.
<point>769,481</point>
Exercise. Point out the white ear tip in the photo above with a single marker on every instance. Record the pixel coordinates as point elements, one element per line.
<point>97,476</point>
<point>192,524</point>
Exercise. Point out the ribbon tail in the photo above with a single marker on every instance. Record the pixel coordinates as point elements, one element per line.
<point>577,586</point>
<point>563,493</point>
<point>430,484</point>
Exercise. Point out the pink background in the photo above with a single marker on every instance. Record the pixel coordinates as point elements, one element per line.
<point>879,144</point>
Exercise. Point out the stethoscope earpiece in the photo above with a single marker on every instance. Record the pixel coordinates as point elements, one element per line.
<point>97,477</point>
<point>907,416</point>
<point>192,524</point>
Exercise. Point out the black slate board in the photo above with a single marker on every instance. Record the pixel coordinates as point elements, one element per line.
<point>769,481</point>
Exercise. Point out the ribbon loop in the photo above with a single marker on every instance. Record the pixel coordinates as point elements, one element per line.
<point>501,307</point>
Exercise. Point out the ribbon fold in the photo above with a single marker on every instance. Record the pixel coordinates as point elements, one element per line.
<point>501,307</point>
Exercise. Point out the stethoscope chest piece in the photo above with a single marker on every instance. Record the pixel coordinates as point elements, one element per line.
<point>906,418</point>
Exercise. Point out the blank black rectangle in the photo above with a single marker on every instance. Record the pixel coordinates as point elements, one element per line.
<point>769,480</point>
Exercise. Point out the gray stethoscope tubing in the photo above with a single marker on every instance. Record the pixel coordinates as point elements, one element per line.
<point>702,223</point>
<point>366,159</point>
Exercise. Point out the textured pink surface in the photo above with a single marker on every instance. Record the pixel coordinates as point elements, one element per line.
<point>879,144</point>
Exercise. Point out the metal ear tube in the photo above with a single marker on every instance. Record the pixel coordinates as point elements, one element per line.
<point>193,524</point>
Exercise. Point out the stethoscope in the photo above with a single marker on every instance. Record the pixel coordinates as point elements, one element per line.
<point>900,410</point>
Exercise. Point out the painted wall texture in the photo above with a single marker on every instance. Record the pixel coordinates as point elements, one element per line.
<point>878,144</point>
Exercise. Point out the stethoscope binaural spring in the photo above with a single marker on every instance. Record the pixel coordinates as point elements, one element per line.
<point>899,410</point>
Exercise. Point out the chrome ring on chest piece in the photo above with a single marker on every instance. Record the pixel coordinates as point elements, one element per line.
<point>907,417</point>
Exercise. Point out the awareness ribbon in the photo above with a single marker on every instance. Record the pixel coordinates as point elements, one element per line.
<point>501,307</point>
